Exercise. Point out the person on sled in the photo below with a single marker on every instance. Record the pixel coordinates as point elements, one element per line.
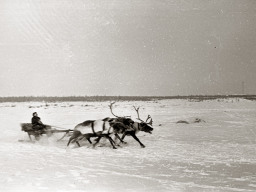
<point>37,123</point>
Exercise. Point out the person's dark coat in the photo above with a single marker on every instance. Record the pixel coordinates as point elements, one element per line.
<point>36,123</point>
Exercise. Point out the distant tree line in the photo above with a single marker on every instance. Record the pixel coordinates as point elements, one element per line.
<point>119,98</point>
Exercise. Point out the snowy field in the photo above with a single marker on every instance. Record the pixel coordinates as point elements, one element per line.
<point>216,155</point>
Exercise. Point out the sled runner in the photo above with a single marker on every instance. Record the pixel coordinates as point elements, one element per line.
<point>48,130</point>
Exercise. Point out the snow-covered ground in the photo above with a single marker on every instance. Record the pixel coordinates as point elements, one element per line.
<point>216,155</point>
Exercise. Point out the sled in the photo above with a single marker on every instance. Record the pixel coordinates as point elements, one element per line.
<point>48,130</point>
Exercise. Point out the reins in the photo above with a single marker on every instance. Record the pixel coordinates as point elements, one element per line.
<point>58,127</point>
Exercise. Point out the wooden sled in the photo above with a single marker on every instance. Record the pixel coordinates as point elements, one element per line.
<point>48,130</point>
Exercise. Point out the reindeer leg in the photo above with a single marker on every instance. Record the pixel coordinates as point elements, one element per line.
<point>111,141</point>
<point>122,138</point>
<point>78,144</point>
<point>63,136</point>
<point>75,137</point>
<point>81,138</point>
<point>72,139</point>
<point>88,139</point>
<point>117,136</point>
<point>136,138</point>
<point>97,141</point>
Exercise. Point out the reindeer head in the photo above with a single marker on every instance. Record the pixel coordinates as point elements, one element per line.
<point>144,125</point>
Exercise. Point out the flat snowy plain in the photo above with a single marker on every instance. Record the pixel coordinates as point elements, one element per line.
<point>216,155</point>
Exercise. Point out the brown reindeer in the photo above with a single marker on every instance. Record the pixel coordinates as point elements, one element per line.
<point>134,127</point>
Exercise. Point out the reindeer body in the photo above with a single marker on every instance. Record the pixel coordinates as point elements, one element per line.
<point>137,127</point>
<point>132,130</point>
<point>96,128</point>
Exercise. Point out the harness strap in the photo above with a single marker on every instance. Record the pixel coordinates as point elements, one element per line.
<point>104,126</point>
<point>93,128</point>
<point>138,126</point>
<point>109,129</point>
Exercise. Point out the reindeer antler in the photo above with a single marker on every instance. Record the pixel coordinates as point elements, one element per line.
<point>149,117</point>
<point>110,106</point>
<point>137,111</point>
<point>151,120</point>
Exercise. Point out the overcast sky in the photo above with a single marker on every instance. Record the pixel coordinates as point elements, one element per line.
<point>127,47</point>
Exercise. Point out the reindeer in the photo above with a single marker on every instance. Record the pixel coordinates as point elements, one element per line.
<point>134,127</point>
<point>96,128</point>
<point>126,121</point>
<point>142,126</point>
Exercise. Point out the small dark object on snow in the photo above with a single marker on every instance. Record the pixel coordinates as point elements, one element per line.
<point>197,120</point>
<point>182,121</point>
